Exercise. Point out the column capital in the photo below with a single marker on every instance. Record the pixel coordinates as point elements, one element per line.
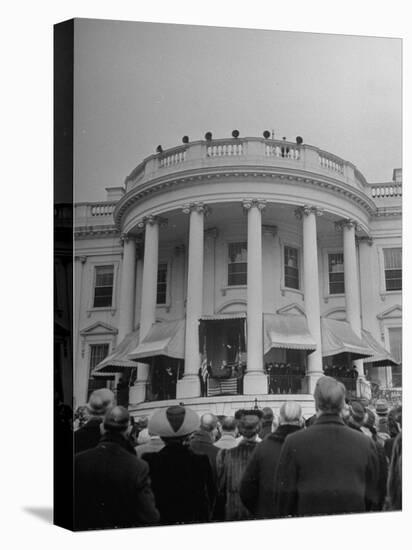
<point>126,237</point>
<point>81,259</point>
<point>306,210</point>
<point>364,239</point>
<point>199,207</point>
<point>212,232</point>
<point>152,220</point>
<point>248,204</point>
<point>348,223</point>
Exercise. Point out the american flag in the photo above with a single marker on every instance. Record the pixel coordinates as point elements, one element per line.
<point>204,367</point>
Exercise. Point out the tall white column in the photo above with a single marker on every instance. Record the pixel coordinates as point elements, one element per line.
<point>352,294</point>
<point>127,287</point>
<point>255,380</point>
<point>137,393</point>
<point>189,385</point>
<point>380,375</point>
<point>311,289</point>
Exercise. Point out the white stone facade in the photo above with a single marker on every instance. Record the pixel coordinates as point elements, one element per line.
<point>181,209</point>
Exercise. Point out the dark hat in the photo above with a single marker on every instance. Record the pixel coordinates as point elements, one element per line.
<point>175,421</point>
<point>382,407</point>
<point>267,413</point>
<point>116,419</point>
<point>357,412</point>
<point>249,422</point>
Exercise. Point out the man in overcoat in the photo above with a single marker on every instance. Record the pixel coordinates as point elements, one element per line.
<point>112,486</point>
<point>257,485</point>
<point>88,436</point>
<point>328,468</point>
<point>182,481</point>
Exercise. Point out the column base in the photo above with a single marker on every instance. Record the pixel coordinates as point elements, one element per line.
<point>255,383</point>
<point>137,393</point>
<point>188,386</point>
<point>309,382</point>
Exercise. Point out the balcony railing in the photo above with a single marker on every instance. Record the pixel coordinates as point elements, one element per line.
<point>245,151</point>
<point>96,213</point>
<point>385,191</point>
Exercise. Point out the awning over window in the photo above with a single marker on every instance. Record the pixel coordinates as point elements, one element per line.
<point>164,338</point>
<point>338,337</point>
<point>381,357</point>
<point>224,316</point>
<point>118,360</point>
<point>286,331</point>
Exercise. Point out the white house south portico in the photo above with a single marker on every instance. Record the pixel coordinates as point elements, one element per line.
<point>253,269</point>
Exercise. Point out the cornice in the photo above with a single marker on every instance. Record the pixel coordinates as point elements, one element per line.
<point>92,232</point>
<point>195,176</point>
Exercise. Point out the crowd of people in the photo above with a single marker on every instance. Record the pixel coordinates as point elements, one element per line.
<point>178,467</point>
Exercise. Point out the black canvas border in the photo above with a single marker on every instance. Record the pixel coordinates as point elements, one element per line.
<point>63,68</point>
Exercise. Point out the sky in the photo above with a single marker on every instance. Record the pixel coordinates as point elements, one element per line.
<point>138,85</point>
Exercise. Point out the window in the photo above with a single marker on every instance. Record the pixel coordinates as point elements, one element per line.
<point>237,267</point>
<point>103,286</point>
<point>336,274</point>
<point>393,268</point>
<point>97,353</point>
<point>161,284</point>
<point>291,267</point>
<point>395,346</point>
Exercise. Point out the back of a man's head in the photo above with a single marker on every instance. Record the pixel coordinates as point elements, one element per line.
<point>267,415</point>
<point>290,413</point>
<point>208,422</point>
<point>229,424</point>
<point>329,395</point>
<point>116,419</point>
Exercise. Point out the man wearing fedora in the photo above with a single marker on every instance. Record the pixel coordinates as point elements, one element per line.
<point>111,485</point>
<point>88,436</point>
<point>182,481</point>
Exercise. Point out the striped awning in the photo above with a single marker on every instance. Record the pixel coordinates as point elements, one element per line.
<point>338,337</point>
<point>224,316</point>
<point>164,338</point>
<point>118,360</point>
<point>287,332</point>
<point>381,357</point>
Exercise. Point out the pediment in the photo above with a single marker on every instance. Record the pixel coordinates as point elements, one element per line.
<point>291,309</point>
<point>393,312</point>
<point>338,313</point>
<point>233,306</point>
<point>99,328</point>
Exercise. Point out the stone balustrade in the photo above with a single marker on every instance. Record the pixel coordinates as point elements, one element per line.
<point>386,190</point>
<point>96,213</point>
<point>332,163</point>
<point>266,153</point>
<point>102,209</point>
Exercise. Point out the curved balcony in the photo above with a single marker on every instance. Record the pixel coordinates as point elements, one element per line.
<point>249,151</point>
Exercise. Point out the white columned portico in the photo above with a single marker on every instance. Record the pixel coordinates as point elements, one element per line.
<point>137,393</point>
<point>189,385</point>
<point>255,380</point>
<point>311,289</point>
<point>127,287</point>
<point>352,294</point>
